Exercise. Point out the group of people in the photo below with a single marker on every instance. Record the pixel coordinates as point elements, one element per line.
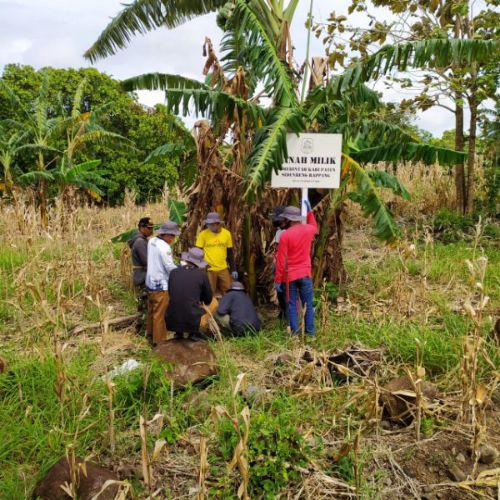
<point>175,297</point>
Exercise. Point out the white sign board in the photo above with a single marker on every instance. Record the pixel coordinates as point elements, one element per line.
<point>313,162</point>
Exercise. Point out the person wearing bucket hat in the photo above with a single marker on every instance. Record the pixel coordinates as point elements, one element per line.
<point>236,313</point>
<point>160,265</point>
<point>188,287</point>
<point>217,243</point>
<point>293,266</point>
<point>138,245</point>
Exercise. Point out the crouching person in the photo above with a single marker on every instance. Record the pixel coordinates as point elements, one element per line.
<point>189,288</point>
<point>236,313</point>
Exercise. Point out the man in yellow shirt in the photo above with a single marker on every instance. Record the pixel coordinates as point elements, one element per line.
<point>217,243</point>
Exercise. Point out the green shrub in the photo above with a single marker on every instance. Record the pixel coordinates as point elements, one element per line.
<point>275,450</point>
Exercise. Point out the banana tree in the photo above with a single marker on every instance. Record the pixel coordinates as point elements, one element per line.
<point>44,135</point>
<point>11,144</point>
<point>41,129</point>
<point>83,128</point>
<point>252,67</point>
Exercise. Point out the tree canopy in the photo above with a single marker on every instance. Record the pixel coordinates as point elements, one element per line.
<point>120,113</point>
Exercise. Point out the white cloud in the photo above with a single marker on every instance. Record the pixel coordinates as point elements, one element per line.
<point>56,33</point>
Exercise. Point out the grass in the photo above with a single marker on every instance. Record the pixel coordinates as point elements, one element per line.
<point>390,300</point>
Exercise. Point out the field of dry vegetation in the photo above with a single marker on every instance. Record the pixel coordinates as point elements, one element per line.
<point>398,398</point>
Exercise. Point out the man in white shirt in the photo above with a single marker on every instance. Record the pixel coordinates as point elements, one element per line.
<point>160,263</point>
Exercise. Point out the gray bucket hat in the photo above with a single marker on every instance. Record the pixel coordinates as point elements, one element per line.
<point>292,213</point>
<point>237,285</point>
<point>169,228</point>
<point>213,218</point>
<point>195,256</point>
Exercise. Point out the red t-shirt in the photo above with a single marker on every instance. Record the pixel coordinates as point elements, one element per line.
<point>293,260</point>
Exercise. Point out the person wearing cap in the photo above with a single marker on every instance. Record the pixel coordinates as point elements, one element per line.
<point>160,265</point>
<point>189,288</point>
<point>138,245</point>
<point>293,266</point>
<point>236,313</point>
<point>217,243</point>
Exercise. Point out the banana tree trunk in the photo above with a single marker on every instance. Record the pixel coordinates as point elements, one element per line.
<point>249,257</point>
<point>459,146</point>
<point>471,159</point>
<point>328,260</point>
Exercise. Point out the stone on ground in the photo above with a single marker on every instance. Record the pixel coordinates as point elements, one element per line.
<point>190,362</point>
<point>88,485</point>
<point>398,399</point>
<point>487,454</point>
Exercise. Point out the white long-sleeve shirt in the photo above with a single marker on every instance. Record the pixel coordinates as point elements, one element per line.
<point>160,263</point>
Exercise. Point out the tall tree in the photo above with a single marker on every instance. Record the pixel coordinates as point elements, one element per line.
<point>451,86</point>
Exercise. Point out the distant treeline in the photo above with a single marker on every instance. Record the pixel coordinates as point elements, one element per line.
<point>124,167</point>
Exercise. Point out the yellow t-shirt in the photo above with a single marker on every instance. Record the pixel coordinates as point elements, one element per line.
<point>215,246</point>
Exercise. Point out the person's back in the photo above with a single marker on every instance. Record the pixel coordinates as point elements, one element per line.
<point>189,287</point>
<point>239,306</point>
<point>293,266</point>
<point>139,251</point>
<point>293,259</point>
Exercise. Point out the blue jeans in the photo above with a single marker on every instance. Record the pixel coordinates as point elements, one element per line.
<point>303,289</point>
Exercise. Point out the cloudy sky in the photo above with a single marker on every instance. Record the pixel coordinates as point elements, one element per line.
<point>57,32</point>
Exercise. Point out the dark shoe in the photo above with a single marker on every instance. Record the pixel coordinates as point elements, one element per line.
<point>179,336</point>
<point>196,337</point>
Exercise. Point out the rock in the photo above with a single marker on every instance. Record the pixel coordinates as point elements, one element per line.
<point>386,425</point>
<point>89,484</point>
<point>400,407</point>
<point>456,474</point>
<point>308,356</point>
<point>460,458</point>
<point>487,454</point>
<point>190,362</point>
<point>3,365</point>
<point>284,358</point>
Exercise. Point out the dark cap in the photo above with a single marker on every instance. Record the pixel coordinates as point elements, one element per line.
<point>195,256</point>
<point>277,213</point>
<point>169,228</point>
<point>146,222</point>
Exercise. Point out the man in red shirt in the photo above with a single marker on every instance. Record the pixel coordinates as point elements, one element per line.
<point>293,266</point>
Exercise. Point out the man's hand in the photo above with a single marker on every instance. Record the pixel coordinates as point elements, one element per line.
<point>278,287</point>
<point>308,205</point>
<point>234,275</point>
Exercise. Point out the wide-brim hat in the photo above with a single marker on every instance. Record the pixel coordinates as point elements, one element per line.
<point>293,214</point>
<point>213,218</point>
<point>237,285</point>
<point>195,256</point>
<point>169,227</point>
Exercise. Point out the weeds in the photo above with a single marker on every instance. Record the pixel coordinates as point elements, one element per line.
<point>411,304</point>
